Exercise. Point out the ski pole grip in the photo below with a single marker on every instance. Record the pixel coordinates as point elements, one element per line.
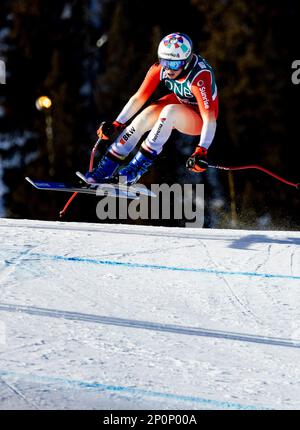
<point>190,163</point>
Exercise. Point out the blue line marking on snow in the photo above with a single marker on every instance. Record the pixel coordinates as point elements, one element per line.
<point>130,390</point>
<point>160,267</point>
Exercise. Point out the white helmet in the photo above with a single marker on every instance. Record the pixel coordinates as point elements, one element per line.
<point>175,51</point>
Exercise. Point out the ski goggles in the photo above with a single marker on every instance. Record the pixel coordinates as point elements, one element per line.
<point>172,64</point>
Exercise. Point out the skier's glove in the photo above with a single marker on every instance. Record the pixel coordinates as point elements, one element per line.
<point>198,160</point>
<point>107,129</point>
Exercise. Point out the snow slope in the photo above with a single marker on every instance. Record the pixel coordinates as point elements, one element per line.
<point>134,317</point>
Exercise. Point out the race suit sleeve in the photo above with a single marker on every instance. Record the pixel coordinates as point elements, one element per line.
<point>146,89</point>
<point>201,88</point>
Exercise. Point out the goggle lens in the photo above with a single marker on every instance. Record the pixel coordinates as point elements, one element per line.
<point>172,64</point>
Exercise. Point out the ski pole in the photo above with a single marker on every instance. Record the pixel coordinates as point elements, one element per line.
<point>92,157</point>
<point>63,211</point>
<point>254,166</point>
<point>93,154</point>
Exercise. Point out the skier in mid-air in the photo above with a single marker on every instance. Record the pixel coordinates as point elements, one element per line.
<point>191,108</point>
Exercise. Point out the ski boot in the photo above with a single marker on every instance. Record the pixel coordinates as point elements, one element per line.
<point>139,165</point>
<point>105,169</point>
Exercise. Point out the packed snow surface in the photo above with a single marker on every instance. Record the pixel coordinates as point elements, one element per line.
<point>98,316</point>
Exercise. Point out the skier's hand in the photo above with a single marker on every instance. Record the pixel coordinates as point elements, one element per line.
<point>107,129</point>
<point>198,160</point>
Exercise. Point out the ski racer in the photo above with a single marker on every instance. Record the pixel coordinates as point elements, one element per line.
<point>191,107</point>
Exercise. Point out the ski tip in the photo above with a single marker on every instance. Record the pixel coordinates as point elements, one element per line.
<point>81,176</point>
<point>29,180</point>
<point>298,186</point>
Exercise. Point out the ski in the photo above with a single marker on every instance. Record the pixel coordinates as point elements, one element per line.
<point>91,189</point>
<point>99,190</point>
<point>132,190</point>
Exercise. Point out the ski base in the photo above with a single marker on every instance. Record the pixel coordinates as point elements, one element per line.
<point>99,190</point>
<point>61,186</point>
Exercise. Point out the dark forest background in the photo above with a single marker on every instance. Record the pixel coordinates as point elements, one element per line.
<point>90,56</point>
